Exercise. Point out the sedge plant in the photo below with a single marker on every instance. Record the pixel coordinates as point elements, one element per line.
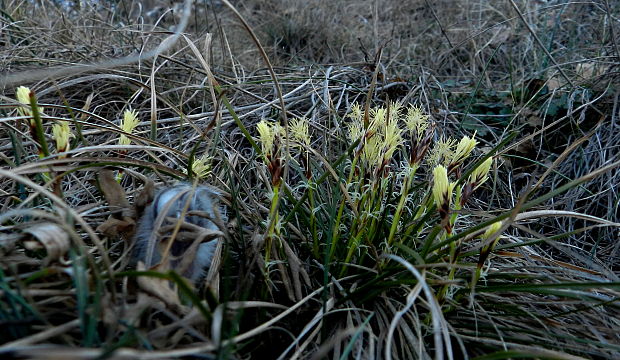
<point>61,131</point>
<point>271,138</point>
<point>128,124</point>
<point>399,191</point>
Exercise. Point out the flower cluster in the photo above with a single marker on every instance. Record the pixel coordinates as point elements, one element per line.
<point>443,188</point>
<point>271,139</point>
<point>379,134</point>
<point>383,132</point>
<point>388,146</point>
<point>272,136</point>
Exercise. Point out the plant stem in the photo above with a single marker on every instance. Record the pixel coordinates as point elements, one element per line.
<point>401,205</point>
<point>336,229</point>
<point>315,239</point>
<point>38,127</point>
<point>273,219</point>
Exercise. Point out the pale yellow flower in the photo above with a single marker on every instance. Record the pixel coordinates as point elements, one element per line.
<point>492,229</point>
<point>356,130</point>
<point>202,166</point>
<point>442,187</point>
<point>371,153</point>
<point>441,151</point>
<point>480,174</point>
<point>416,121</point>
<point>23,96</point>
<point>392,138</point>
<point>379,118</point>
<point>463,149</point>
<point>62,134</point>
<point>356,113</point>
<point>356,126</point>
<point>128,124</point>
<point>395,109</point>
<point>300,132</point>
<point>267,136</point>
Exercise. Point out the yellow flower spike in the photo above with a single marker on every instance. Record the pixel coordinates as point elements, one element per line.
<point>395,110</point>
<point>356,113</point>
<point>267,136</point>
<point>379,118</point>
<point>300,132</point>
<point>23,96</point>
<point>442,188</point>
<point>128,124</point>
<point>392,138</point>
<point>485,251</point>
<point>356,130</point>
<point>492,229</point>
<point>202,166</point>
<point>463,150</point>
<point>480,174</point>
<point>441,151</point>
<point>371,154</point>
<point>442,193</point>
<point>477,178</point>
<point>62,133</point>
<point>416,121</point>
<point>356,125</point>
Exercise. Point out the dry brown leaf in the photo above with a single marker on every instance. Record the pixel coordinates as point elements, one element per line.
<point>51,237</point>
<point>123,224</point>
<point>115,227</point>
<point>145,197</point>
<point>213,275</point>
<point>161,288</point>
<point>112,191</point>
<point>532,117</point>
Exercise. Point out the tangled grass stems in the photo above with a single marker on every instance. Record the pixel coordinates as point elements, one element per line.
<point>378,202</point>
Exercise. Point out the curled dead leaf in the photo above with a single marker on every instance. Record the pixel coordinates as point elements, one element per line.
<point>50,237</point>
<point>122,224</point>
